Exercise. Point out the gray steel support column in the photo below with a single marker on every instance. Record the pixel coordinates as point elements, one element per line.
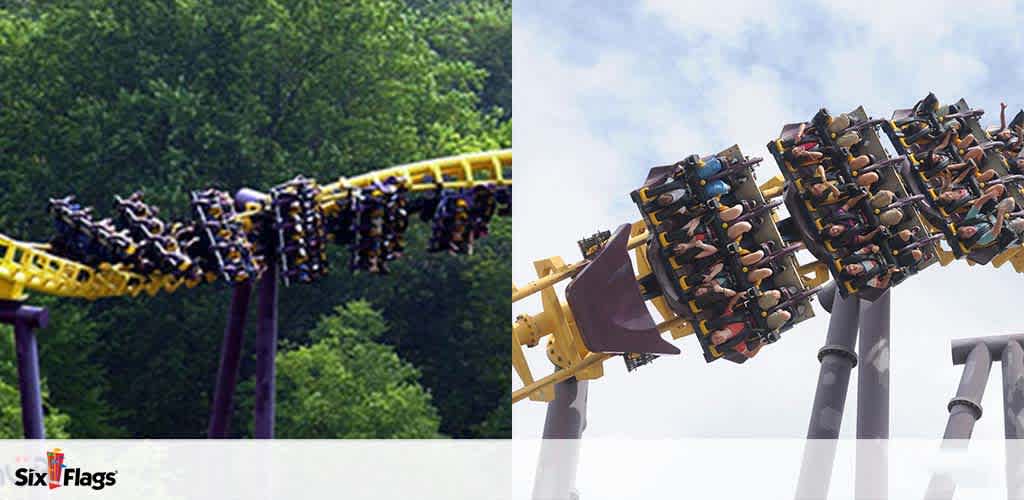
<point>872,400</point>
<point>559,456</point>
<point>567,414</point>
<point>826,295</point>
<point>266,354</point>
<point>995,344</point>
<point>837,359</point>
<point>872,478</point>
<point>1013,416</point>
<point>1013,390</point>
<point>230,356</point>
<point>964,411</point>
<point>25,319</point>
<point>873,370</point>
<point>965,408</point>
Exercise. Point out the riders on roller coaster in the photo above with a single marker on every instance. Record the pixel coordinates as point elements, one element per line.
<point>454,225</point>
<point>709,261</point>
<point>853,198</point>
<point>81,238</point>
<point>229,237</point>
<point>227,250</point>
<point>298,235</point>
<point>159,248</point>
<point>871,219</point>
<point>380,225</point>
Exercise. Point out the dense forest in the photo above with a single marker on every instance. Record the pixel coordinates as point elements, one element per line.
<point>99,98</point>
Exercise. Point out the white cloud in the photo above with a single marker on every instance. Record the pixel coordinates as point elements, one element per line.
<point>727,22</point>
<point>565,163</point>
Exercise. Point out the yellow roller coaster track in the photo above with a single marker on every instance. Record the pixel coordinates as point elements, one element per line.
<point>26,266</point>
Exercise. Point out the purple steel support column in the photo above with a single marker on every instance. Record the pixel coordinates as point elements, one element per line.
<point>873,399</point>
<point>1013,416</point>
<point>559,454</point>
<point>28,381</point>
<point>837,359</point>
<point>25,319</point>
<point>266,354</point>
<point>230,355</point>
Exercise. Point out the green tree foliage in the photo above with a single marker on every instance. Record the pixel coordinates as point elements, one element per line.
<point>101,98</point>
<point>54,422</point>
<point>346,385</point>
<point>455,334</point>
<point>480,32</point>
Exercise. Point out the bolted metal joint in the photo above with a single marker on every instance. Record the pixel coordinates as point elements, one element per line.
<point>973,406</point>
<point>841,350</point>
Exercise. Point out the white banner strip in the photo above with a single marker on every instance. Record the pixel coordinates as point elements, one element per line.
<point>597,469</point>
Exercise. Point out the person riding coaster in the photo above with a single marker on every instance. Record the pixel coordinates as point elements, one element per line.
<point>809,151</point>
<point>918,133</point>
<point>918,130</point>
<point>955,197</point>
<point>711,297</point>
<point>849,229</point>
<point>840,129</point>
<point>825,189</point>
<point>859,161</point>
<point>979,229</point>
<point>885,201</point>
<point>1016,162</point>
<point>1002,132</point>
<point>967,145</point>
<point>1009,135</point>
<point>715,275</point>
<point>1010,138</point>
<point>680,199</point>
<point>866,269</point>
<point>805,148</point>
<point>844,123</point>
<point>716,293</point>
<point>713,187</point>
<point>734,331</point>
<point>909,247</point>
<point>697,232</point>
<point>945,179</point>
<point>935,157</point>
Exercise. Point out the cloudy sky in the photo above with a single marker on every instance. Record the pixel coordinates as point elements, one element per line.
<point>605,90</point>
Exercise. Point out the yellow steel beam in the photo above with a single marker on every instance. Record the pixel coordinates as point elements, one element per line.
<point>557,275</point>
<point>560,375</point>
<point>773,188</point>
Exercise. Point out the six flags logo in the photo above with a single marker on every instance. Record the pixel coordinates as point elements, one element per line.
<point>56,475</point>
